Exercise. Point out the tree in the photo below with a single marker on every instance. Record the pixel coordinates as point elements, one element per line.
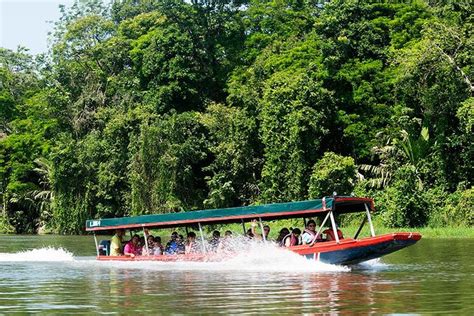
<point>434,87</point>
<point>332,173</point>
<point>236,164</point>
<point>165,174</point>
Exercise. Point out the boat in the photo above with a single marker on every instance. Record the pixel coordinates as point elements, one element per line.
<point>341,251</point>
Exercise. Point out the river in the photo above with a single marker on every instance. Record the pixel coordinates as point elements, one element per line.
<point>59,275</point>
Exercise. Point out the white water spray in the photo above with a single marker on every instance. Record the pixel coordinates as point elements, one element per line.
<point>373,265</point>
<point>48,254</point>
<point>246,256</point>
<point>267,257</point>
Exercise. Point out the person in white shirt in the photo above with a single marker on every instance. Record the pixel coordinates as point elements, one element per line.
<point>309,234</point>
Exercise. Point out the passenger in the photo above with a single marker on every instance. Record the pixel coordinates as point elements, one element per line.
<point>215,240</point>
<point>181,246</point>
<point>151,241</point>
<point>132,248</point>
<point>309,234</point>
<point>330,234</point>
<point>191,245</point>
<point>226,242</point>
<point>172,245</point>
<point>151,246</point>
<point>266,230</point>
<point>282,234</point>
<point>292,239</point>
<point>116,243</point>
<point>158,247</point>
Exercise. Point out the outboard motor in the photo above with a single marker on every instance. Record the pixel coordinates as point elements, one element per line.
<point>104,247</point>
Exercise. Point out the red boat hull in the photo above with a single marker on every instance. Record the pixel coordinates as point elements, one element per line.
<point>347,251</point>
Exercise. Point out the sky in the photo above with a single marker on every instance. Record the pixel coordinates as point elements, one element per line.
<point>24,22</point>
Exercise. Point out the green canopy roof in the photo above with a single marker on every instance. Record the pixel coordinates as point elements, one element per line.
<point>235,214</point>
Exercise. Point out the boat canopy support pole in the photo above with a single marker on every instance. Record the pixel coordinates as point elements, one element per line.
<point>304,222</point>
<point>334,228</point>
<point>321,227</point>
<point>243,227</point>
<point>96,245</point>
<point>261,228</point>
<point>360,227</point>
<point>372,231</point>
<point>145,235</point>
<point>203,247</point>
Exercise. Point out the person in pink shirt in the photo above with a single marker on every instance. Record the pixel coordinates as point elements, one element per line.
<point>132,248</point>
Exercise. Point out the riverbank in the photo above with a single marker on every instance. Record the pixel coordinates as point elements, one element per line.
<point>426,232</point>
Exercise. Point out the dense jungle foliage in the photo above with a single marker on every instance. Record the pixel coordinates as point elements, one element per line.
<point>147,106</point>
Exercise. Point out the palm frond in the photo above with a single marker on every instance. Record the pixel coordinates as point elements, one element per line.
<point>380,175</point>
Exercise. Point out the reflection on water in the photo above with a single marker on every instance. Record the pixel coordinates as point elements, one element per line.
<point>433,276</point>
<point>212,292</point>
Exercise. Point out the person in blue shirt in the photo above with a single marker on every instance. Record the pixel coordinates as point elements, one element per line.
<point>172,245</point>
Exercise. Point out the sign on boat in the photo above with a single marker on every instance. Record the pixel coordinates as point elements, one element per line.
<point>343,251</point>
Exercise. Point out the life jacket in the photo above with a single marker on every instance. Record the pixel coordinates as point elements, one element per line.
<point>330,234</point>
<point>293,240</point>
<point>313,234</point>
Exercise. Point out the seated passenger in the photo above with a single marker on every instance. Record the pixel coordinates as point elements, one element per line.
<point>132,248</point>
<point>292,239</point>
<point>309,234</point>
<point>172,245</point>
<point>151,246</point>
<point>282,234</point>
<point>116,243</point>
<point>158,247</point>
<point>215,240</point>
<point>330,234</point>
<point>191,245</point>
<point>181,247</point>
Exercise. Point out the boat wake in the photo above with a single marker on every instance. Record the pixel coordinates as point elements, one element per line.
<point>274,259</point>
<point>373,265</point>
<point>47,254</point>
<point>255,257</point>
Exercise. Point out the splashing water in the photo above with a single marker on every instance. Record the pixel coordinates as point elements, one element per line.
<point>47,254</point>
<point>246,256</point>
<point>268,257</point>
<point>374,265</point>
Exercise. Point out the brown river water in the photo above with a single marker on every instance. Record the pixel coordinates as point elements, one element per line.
<point>59,275</point>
